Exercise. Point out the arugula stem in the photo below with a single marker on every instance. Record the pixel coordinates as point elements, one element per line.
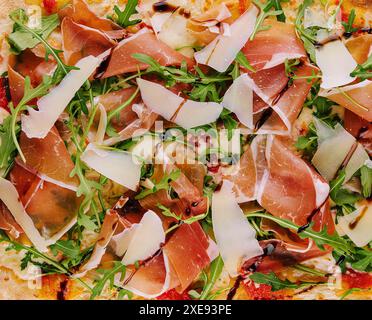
<point>338,246</point>
<point>113,113</point>
<point>48,260</point>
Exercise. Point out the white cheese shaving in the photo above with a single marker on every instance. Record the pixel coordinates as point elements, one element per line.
<point>234,235</point>
<point>332,152</point>
<point>119,166</point>
<point>357,160</point>
<point>221,52</point>
<point>184,112</point>
<point>10,197</point>
<point>239,99</point>
<point>120,242</point>
<point>38,123</point>
<point>336,64</point>
<point>146,240</point>
<point>358,225</point>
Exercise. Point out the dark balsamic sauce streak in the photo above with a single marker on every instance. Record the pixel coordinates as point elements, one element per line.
<point>103,66</point>
<point>265,115</point>
<point>252,267</point>
<point>143,263</point>
<point>309,220</point>
<point>163,6</point>
<point>63,290</point>
<point>7,88</point>
<point>340,260</point>
<point>235,287</point>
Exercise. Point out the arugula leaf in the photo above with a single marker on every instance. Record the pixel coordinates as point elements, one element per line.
<point>69,248</point>
<point>360,260</point>
<point>8,149</point>
<point>339,244</point>
<point>339,195</point>
<point>229,122</point>
<point>366,181</point>
<point>265,11</point>
<point>108,276</point>
<point>349,292</point>
<point>277,5</point>
<point>48,265</point>
<point>20,39</point>
<point>162,185</point>
<point>363,71</point>
<point>307,36</point>
<point>205,86</point>
<point>166,212</point>
<point>29,95</point>
<point>363,262</point>
<point>123,17</point>
<point>243,61</point>
<point>215,271</point>
<point>349,24</point>
<point>125,293</point>
<point>276,284</point>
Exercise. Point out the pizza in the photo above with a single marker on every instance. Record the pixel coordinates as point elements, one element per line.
<point>186,149</point>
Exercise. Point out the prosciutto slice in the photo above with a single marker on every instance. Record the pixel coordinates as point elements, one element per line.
<point>150,280</point>
<point>289,106</point>
<point>290,188</point>
<point>356,97</point>
<point>79,12</point>
<point>144,42</point>
<point>111,101</point>
<point>79,41</point>
<point>291,249</point>
<point>271,82</point>
<point>360,129</point>
<point>244,177</point>
<point>187,253</point>
<point>8,223</point>
<point>48,158</point>
<point>272,47</point>
<point>51,207</point>
<point>360,47</point>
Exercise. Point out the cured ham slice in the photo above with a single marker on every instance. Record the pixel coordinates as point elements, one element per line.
<point>187,254</point>
<point>22,179</point>
<point>290,189</point>
<point>8,223</point>
<point>48,158</point>
<point>51,208</point>
<point>26,64</point>
<point>108,229</point>
<point>144,122</point>
<point>270,82</point>
<point>16,85</point>
<point>79,41</point>
<point>243,176</point>
<point>111,101</point>
<point>79,12</point>
<point>360,47</point>
<point>150,280</point>
<point>144,42</point>
<point>360,129</point>
<point>290,249</point>
<point>289,106</point>
<point>188,192</point>
<point>272,47</point>
<point>221,52</point>
<point>51,205</point>
<point>356,97</point>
